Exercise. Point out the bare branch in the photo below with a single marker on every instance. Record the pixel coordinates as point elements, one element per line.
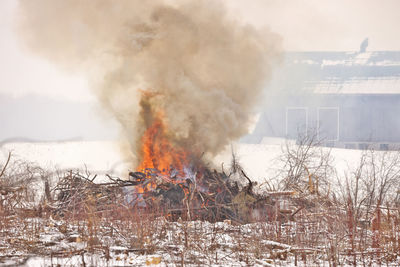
<point>5,165</point>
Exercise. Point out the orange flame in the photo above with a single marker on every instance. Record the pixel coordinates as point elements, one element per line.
<point>158,152</point>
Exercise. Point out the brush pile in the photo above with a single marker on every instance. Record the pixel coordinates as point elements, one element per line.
<point>206,195</point>
<point>210,195</point>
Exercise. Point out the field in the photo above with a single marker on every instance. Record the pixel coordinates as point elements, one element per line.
<point>329,207</point>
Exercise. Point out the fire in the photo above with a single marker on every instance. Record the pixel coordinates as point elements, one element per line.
<point>158,152</point>
<point>162,161</point>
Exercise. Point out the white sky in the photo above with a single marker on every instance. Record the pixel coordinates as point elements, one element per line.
<point>305,25</point>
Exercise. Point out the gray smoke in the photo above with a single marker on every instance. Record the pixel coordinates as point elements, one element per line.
<point>204,70</point>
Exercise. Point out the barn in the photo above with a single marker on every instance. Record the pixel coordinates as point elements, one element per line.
<point>346,99</point>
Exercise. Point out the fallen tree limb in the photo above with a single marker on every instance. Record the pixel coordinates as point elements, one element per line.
<point>5,165</point>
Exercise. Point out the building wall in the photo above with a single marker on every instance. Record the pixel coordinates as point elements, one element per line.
<point>336,118</point>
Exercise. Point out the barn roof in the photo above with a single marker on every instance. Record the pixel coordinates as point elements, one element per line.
<point>340,72</point>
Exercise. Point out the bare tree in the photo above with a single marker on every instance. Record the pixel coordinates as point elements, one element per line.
<point>307,166</point>
<point>373,183</point>
<point>18,185</point>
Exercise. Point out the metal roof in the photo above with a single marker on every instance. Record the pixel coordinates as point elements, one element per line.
<point>340,73</point>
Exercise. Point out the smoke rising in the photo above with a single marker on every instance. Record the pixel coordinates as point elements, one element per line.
<point>202,69</point>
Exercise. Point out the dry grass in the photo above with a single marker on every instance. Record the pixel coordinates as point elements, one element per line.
<point>328,230</point>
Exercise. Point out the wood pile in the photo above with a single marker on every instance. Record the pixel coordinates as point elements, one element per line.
<point>206,195</point>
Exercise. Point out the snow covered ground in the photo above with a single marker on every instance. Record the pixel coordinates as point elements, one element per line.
<point>259,160</point>
<point>97,157</point>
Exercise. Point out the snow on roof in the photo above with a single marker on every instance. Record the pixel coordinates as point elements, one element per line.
<point>341,72</point>
<point>387,85</point>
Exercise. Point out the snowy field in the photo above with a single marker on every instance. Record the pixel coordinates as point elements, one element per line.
<point>29,236</point>
<point>260,161</point>
<point>97,157</point>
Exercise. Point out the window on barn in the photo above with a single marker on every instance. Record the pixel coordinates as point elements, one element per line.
<point>328,123</point>
<point>296,122</point>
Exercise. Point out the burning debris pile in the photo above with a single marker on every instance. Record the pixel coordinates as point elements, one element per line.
<point>204,195</point>
<point>207,195</point>
<point>173,180</point>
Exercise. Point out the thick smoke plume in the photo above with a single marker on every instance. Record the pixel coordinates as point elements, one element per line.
<point>188,60</point>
